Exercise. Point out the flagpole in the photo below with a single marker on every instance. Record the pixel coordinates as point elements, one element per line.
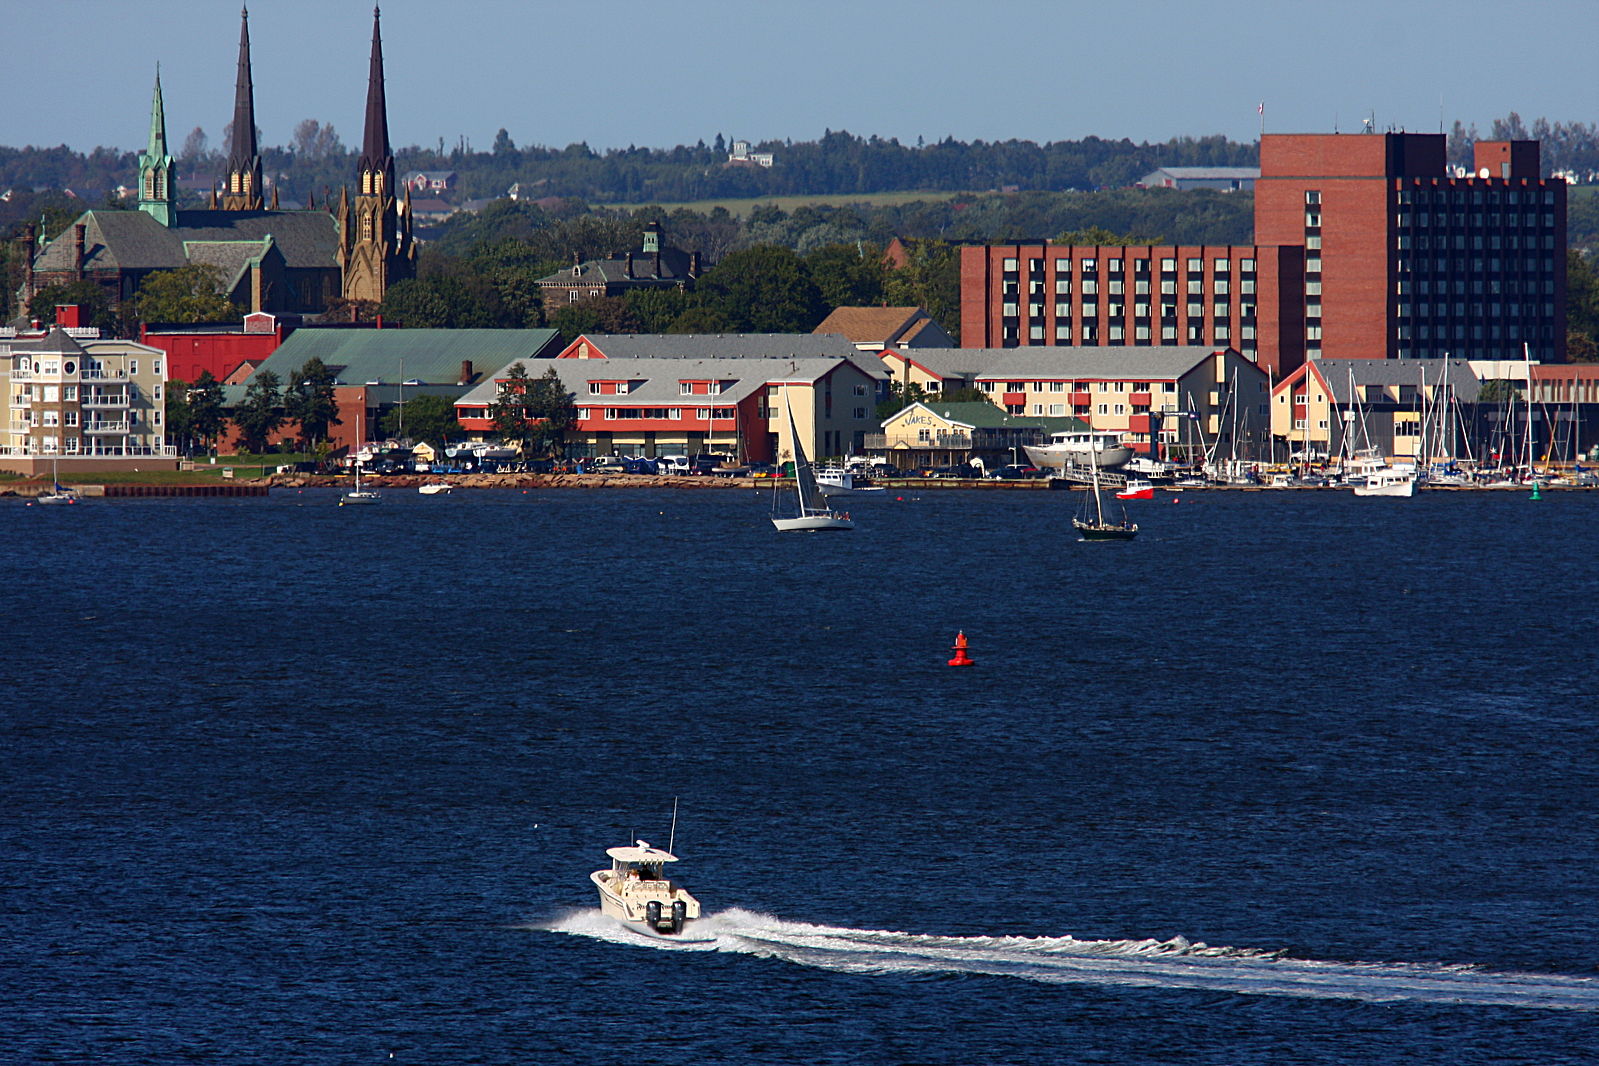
<point>1262,110</point>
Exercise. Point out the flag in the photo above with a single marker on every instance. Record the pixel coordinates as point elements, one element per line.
<point>1262,108</point>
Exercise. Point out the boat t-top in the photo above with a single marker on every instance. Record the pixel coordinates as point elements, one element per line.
<point>636,892</point>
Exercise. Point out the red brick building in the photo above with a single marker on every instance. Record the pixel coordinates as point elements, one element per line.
<point>1366,246</point>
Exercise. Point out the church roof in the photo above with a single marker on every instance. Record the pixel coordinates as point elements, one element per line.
<point>133,240</point>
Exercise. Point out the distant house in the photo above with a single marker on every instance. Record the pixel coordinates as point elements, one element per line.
<point>875,329</point>
<point>653,265</point>
<point>741,156</point>
<point>429,182</point>
<point>1226,179</point>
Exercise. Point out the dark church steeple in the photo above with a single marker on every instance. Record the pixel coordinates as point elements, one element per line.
<point>375,247</point>
<point>243,192</point>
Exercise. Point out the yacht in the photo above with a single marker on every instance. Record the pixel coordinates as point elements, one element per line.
<point>637,893</point>
<point>1079,448</point>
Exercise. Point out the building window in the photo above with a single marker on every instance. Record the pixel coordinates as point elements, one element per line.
<point>1009,266</point>
<point>594,389</point>
<point>1313,196</point>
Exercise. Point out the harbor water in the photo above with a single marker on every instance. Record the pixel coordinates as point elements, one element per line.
<point>1292,777</point>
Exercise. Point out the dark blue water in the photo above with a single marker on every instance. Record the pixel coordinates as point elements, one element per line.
<point>1293,777</point>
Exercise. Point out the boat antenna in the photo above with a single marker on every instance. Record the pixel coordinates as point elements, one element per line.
<point>671,843</point>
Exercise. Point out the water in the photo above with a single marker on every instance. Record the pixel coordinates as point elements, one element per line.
<point>1292,777</point>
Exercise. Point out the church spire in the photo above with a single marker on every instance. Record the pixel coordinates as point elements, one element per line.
<point>155,165</point>
<point>376,159</point>
<point>244,159</point>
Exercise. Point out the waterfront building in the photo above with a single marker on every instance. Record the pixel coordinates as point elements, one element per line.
<point>1365,246</point>
<point>219,347</point>
<point>1157,399</point>
<point>75,396</point>
<point>932,434</point>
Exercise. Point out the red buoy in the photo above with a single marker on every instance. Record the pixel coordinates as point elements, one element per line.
<point>961,658</point>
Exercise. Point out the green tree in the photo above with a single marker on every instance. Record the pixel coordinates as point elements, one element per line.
<point>94,303</point>
<point>929,279</point>
<point>598,314</point>
<point>1582,309</point>
<point>428,417</point>
<point>187,294</point>
<point>553,411</point>
<point>207,417</point>
<point>509,409</point>
<point>1092,235</point>
<point>178,416</point>
<point>848,275</point>
<point>258,414</point>
<point>764,289</point>
<point>309,400</point>
<point>900,396</point>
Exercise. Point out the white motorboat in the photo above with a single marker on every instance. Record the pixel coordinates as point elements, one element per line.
<point>435,488</point>
<point>812,513</point>
<point>637,893</point>
<point>1079,448</point>
<point>360,497</point>
<point>1387,482</point>
<point>839,481</point>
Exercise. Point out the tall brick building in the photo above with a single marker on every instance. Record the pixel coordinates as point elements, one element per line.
<point>1366,246</point>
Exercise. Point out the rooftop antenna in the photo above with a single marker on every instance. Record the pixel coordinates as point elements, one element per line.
<point>671,843</point>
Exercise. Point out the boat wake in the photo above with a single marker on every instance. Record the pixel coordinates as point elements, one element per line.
<point>1175,963</point>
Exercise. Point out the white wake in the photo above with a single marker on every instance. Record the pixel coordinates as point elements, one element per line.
<point>1174,963</point>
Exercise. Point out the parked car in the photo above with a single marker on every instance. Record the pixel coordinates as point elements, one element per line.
<point>953,470</point>
<point>673,464</point>
<point>1017,472</point>
<point>606,464</point>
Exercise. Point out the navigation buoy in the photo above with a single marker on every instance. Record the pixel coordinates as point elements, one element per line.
<point>961,658</point>
<point>1535,493</point>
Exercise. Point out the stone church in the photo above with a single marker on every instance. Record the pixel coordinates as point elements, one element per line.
<point>284,262</point>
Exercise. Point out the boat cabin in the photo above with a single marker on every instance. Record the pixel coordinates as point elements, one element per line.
<point>639,863</point>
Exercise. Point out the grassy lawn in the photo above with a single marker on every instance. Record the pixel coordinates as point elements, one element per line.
<point>742,208</point>
<point>204,472</point>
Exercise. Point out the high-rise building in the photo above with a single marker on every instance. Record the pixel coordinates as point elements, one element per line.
<point>1366,246</point>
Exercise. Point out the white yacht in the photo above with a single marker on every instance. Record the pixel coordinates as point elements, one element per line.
<point>836,480</point>
<point>1387,482</point>
<point>1079,448</point>
<point>360,497</point>
<point>636,892</point>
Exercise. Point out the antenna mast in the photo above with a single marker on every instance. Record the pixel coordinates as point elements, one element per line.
<point>671,843</point>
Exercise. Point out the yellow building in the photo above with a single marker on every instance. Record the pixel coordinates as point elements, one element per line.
<point>936,434</point>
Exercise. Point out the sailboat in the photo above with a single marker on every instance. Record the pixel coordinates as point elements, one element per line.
<point>1091,522</point>
<point>359,497</point>
<point>58,493</point>
<point>811,510</point>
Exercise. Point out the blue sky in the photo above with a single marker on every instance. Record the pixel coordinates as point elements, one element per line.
<point>657,74</point>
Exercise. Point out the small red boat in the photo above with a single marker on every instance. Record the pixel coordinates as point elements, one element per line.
<point>1136,489</point>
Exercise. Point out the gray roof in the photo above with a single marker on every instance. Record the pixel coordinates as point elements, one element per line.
<point>954,362</point>
<point>55,342</point>
<point>1109,362</point>
<point>736,346</point>
<point>1210,173</point>
<point>133,240</point>
<point>431,356</point>
<point>656,381</point>
<point>1335,374</point>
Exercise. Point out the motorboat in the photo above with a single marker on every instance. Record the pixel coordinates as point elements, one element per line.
<point>1136,489</point>
<point>360,497</point>
<point>637,893</point>
<point>435,488</point>
<point>1387,481</point>
<point>840,481</point>
<point>1078,448</point>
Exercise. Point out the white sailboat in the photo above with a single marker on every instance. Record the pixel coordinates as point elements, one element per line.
<point>359,497</point>
<point>58,493</point>
<point>811,514</point>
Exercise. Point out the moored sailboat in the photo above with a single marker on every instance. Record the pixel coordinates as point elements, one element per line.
<point>1091,523</point>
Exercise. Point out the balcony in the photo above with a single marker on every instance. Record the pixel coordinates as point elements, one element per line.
<point>102,375</point>
<point>105,427</point>
<point>103,400</point>
<point>22,375</point>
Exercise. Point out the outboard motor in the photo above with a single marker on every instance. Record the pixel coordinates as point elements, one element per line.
<point>679,915</point>
<point>652,913</point>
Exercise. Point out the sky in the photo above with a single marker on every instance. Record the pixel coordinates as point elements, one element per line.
<point>656,74</point>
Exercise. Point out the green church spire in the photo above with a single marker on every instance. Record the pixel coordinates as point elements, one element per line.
<point>156,197</point>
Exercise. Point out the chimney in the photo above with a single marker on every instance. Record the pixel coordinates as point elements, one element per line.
<point>68,316</point>
<point>78,242</point>
<point>694,265</point>
<point>630,264</point>
<point>657,263</point>
<point>466,373</point>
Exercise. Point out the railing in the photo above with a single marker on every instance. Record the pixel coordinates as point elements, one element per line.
<point>105,401</point>
<point>105,427</point>
<point>936,440</point>
<point>21,375</point>
<point>102,375</point>
<point>169,451</point>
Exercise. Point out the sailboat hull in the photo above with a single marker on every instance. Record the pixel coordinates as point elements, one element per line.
<point>1095,531</point>
<point>812,523</point>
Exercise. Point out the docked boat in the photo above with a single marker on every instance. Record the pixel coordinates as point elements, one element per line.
<point>1078,448</point>
<point>811,513</point>
<point>1090,521</point>
<point>637,893</point>
<point>1386,482</point>
<point>1136,489</point>
<point>435,488</point>
<point>360,497</point>
<point>840,481</point>
<point>58,493</point>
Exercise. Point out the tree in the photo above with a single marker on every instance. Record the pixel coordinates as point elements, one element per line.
<point>186,294</point>
<point>553,411</point>
<point>179,420</point>
<point>206,414</point>
<point>1582,309</point>
<point>428,417</point>
<point>258,414</point>
<point>312,140</point>
<point>848,275</point>
<point>598,314</point>
<point>900,396</point>
<point>929,279</point>
<point>195,146</point>
<point>764,289</point>
<point>1092,235</point>
<point>308,400</point>
<point>509,409</point>
<point>93,302</point>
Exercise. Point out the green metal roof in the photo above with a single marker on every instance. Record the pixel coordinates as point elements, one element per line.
<point>981,415</point>
<point>390,356</point>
